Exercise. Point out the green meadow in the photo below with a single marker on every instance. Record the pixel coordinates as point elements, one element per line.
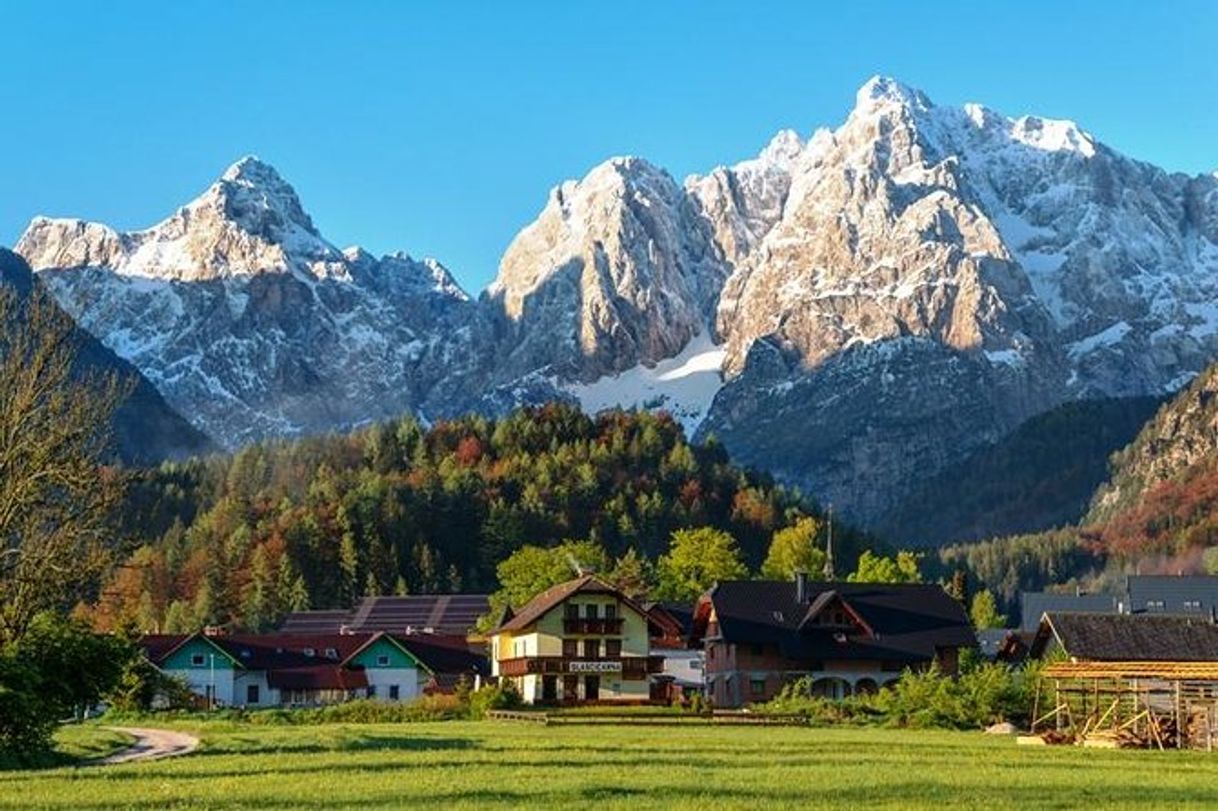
<point>503,764</point>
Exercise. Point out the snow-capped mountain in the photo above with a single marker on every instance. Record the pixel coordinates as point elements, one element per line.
<point>851,311</point>
<point>246,319</point>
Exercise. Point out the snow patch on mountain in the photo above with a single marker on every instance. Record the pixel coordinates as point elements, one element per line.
<point>684,385</point>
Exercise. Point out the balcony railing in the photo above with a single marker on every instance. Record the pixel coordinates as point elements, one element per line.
<point>630,667</point>
<point>587,625</point>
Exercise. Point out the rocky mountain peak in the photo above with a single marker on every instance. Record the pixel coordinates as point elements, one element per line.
<point>256,197</point>
<point>880,92</point>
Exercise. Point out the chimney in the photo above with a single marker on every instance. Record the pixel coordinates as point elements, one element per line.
<point>801,588</point>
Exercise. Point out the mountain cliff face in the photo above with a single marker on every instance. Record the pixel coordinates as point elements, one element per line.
<point>1181,438</point>
<point>246,319</point>
<point>854,312</point>
<point>145,429</point>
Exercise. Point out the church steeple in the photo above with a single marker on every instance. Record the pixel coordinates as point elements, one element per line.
<point>829,574</point>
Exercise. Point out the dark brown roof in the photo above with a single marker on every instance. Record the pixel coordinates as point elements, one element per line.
<point>441,613</point>
<point>446,655</point>
<point>1129,637</point>
<point>898,622</point>
<point>283,652</point>
<point>323,677</point>
<point>543,603</point>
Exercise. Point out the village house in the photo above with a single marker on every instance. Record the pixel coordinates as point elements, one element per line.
<point>682,676</point>
<point>271,670</point>
<point>582,641</point>
<point>848,637</point>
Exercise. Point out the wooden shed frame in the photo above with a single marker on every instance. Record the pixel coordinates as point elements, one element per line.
<point>1135,704</point>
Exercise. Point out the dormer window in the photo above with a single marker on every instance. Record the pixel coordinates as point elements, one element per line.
<point>310,652</point>
<point>331,653</point>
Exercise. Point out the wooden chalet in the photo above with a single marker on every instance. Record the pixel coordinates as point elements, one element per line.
<point>848,637</point>
<point>582,641</point>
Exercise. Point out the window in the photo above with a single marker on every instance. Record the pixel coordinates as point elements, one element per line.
<point>613,647</point>
<point>570,648</point>
<point>393,692</point>
<point>382,661</point>
<point>331,653</point>
<point>371,693</point>
<point>592,648</point>
<point>310,652</point>
<point>1155,605</point>
<point>197,660</point>
<point>757,686</point>
<point>571,611</point>
<point>611,612</point>
<point>591,611</point>
<point>251,694</point>
<point>1192,605</point>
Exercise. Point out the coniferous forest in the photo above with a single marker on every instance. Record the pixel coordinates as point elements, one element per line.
<point>400,508</point>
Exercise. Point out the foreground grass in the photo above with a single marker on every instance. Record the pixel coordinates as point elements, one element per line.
<point>77,743</point>
<point>468,764</point>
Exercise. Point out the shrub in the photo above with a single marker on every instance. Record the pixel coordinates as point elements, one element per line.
<point>983,694</point>
<point>501,696</point>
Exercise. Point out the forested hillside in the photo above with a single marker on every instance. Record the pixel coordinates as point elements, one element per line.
<point>1041,476</point>
<point>1157,511</point>
<point>399,508</point>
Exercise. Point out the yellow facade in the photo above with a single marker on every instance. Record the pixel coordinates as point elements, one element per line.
<point>579,676</point>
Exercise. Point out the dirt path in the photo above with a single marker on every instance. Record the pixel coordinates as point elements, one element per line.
<point>151,744</point>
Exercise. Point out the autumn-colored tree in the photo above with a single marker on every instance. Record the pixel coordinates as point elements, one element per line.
<point>56,492</point>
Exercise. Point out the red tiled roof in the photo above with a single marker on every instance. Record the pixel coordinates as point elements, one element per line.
<point>317,677</point>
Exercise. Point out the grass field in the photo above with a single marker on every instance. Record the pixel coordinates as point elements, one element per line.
<point>77,743</point>
<point>493,764</point>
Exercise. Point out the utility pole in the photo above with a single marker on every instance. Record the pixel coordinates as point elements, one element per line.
<point>829,573</point>
<point>211,704</point>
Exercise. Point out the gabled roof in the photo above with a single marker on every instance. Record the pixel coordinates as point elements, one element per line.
<point>824,601</point>
<point>372,639</point>
<point>1170,594</point>
<point>279,651</point>
<point>907,622</point>
<point>168,644</point>
<point>442,613</point>
<point>445,656</point>
<point>554,596</point>
<point>1034,604</point>
<point>1129,637</point>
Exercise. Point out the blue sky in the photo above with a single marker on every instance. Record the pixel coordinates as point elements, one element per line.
<point>439,128</point>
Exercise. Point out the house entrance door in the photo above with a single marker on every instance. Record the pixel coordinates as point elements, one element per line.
<point>549,689</point>
<point>570,689</point>
<point>592,688</point>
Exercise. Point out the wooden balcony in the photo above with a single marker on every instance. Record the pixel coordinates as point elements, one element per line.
<point>592,627</point>
<point>630,667</point>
